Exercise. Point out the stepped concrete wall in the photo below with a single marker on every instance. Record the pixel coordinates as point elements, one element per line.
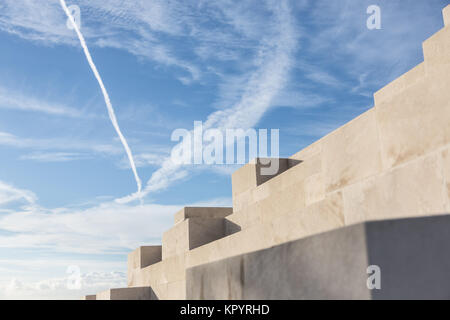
<point>393,161</point>
<point>411,253</point>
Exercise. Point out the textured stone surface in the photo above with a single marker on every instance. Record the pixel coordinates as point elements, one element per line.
<point>397,86</point>
<point>202,212</point>
<point>137,293</point>
<point>436,51</point>
<point>252,175</point>
<point>414,122</point>
<point>446,171</point>
<point>412,255</point>
<point>411,190</point>
<point>191,233</point>
<point>140,258</point>
<point>446,15</point>
<point>351,153</point>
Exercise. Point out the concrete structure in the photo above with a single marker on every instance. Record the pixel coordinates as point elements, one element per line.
<point>412,256</point>
<point>391,162</point>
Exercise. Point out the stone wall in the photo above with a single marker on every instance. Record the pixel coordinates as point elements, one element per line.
<point>412,255</point>
<point>393,161</point>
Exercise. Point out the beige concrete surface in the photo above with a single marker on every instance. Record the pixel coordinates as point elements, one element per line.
<point>351,153</point>
<point>446,15</point>
<point>446,174</point>
<point>191,233</point>
<point>137,293</point>
<point>410,254</point>
<point>415,189</point>
<point>202,212</point>
<point>141,258</point>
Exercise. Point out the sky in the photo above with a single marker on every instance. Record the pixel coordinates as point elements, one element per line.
<point>67,192</point>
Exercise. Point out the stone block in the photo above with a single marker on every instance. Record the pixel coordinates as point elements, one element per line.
<point>176,240</point>
<point>436,51</point>
<point>446,171</point>
<point>89,297</point>
<point>283,202</point>
<point>330,266</point>
<point>308,152</point>
<point>155,276</point>
<point>334,265</point>
<point>174,269</point>
<point>252,175</point>
<point>397,86</point>
<point>446,15</point>
<point>140,258</point>
<point>161,291</point>
<point>176,290</point>
<point>149,276</point>
<point>321,216</point>
<point>202,212</point>
<point>415,122</point>
<point>314,188</point>
<point>136,293</point>
<point>414,189</point>
<point>351,153</point>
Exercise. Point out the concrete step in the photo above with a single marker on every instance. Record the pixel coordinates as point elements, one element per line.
<point>436,51</point>
<point>136,293</point>
<point>257,172</point>
<point>446,15</point>
<point>191,233</point>
<point>202,212</point>
<point>142,257</point>
<point>292,189</point>
<point>407,258</point>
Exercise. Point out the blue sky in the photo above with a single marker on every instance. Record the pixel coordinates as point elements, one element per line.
<point>305,67</point>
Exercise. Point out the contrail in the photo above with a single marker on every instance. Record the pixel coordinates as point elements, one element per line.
<point>264,84</point>
<point>112,116</point>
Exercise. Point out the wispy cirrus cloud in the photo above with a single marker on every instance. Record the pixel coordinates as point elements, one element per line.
<point>265,80</point>
<point>11,99</point>
<point>55,156</point>
<point>106,22</point>
<point>12,140</point>
<point>340,29</point>
<point>105,228</point>
<point>10,194</point>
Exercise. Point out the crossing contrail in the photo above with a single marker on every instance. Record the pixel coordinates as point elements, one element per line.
<point>111,113</point>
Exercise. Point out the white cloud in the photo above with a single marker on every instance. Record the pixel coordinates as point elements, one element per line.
<point>10,194</point>
<point>107,227</point>
<point>45,23</point>
<point>11,140</point>
<point>61,288</point>
<point>47,241</point>
<point>35,20</point>
<point>9,99</point>
<point>54,156</point>
<point>272,65</point>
